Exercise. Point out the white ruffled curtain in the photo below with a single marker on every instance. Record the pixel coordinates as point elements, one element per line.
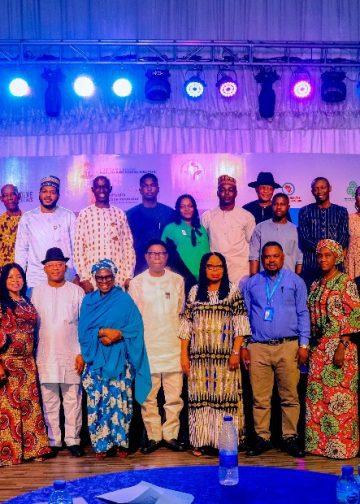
<point>105,125</point>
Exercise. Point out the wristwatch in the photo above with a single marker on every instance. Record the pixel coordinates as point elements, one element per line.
<point>307,347</point>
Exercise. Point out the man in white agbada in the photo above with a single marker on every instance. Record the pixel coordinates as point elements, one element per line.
<point>159,295</point>
<point>58,353</point>
<point>42,228</point>
<point>230,229</point>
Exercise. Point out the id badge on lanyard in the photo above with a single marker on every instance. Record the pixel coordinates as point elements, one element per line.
<point>269,310</point>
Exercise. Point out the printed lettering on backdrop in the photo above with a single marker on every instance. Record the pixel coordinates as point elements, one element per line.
<point>191,173</point>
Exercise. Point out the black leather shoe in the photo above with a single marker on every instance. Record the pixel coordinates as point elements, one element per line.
<point>54,452</point>
<point>260,446</point>
<point>291,446</point>
<point>174,445</point>
<point>150,446</point>
<point>76,450</point>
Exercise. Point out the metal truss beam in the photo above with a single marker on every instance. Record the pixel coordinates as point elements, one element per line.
<point>186,53</point>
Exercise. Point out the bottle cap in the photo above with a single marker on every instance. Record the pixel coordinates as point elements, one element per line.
<point>347,470</point>
<point>228,418</point>
<point>59,485</point>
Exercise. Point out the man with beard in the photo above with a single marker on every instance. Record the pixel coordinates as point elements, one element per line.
<point>9,222</point>
<point>230,229</point>
<point>319,221</point>
<point>102,231</point>
<point>279,229</point>
<point>42,228</point>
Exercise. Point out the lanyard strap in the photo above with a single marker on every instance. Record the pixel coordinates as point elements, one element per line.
<point>270,293</point>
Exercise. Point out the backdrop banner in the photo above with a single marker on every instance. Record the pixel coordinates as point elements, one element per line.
<point>191,173</point>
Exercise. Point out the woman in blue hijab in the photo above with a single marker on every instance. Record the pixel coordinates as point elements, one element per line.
<point>112,344</point>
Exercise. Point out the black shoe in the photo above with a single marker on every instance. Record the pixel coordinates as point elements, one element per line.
<point>76,450</point>
<point>150,446</point>
<point>174,445</point>
<point>54,452</point>
<point>291,446</point>
<point>261,445</point>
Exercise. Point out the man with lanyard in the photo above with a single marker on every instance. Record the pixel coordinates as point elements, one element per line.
<point>280,325</point>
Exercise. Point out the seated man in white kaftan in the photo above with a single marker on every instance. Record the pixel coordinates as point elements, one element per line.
<point>159,295</point>
<point>58,354</point>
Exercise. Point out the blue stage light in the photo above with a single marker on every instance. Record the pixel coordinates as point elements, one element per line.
<point>122,87</point>
<point>19,87</point>
<point>194,87</point>
<point>84,86</point>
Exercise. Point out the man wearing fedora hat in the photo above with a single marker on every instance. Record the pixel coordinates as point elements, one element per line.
<point>58,354</point>
<point>264,186</point>
<point>48,225</point>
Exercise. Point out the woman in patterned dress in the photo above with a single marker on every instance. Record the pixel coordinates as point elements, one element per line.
<point>213,326</point>
<point>22,428</point>
<point>112,345</point>
<point>353,254</point>
<point>331,397</point>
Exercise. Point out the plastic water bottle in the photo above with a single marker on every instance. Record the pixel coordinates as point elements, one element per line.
<point>347,490</point>
<point>228,454</point>
<point>60,495</point>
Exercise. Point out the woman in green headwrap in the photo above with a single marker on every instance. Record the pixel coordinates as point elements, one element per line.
<point>111,336</point>
<point>331,398</point>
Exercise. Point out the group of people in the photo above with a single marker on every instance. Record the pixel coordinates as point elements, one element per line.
<point>123,304</point>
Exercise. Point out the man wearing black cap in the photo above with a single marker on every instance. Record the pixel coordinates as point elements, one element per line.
<point>264,186</point>
<point>58,354</point>
<point>46,226</point>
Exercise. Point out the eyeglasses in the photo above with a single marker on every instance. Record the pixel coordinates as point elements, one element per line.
<point>157,254</point>
<point>214,267</point>
<point>105,278</point>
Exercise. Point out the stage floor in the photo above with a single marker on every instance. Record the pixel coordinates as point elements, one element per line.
<point>16,480</point>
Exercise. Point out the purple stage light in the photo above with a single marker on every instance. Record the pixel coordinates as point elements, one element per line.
<point>302,89</point>
<point>227,86</point>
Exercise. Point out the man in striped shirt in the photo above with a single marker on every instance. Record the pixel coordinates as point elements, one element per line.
<point>318,221</point>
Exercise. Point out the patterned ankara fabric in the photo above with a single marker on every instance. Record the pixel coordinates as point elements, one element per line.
<point>353,254</point>
<point>332,427</point>
<point>8,229</point>
<point>214,390</point>
<point>110,406</point>
<point>334,247</point>
<point>103,233</point>
<point>22,428</point>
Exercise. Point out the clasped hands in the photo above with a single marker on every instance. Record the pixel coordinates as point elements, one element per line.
<point>109,336</point>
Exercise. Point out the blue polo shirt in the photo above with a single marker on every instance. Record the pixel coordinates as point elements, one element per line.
<point>291,315</point>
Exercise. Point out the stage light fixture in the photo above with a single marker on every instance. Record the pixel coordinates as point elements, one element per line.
<point>19,87</point>
<point>301,86</point>
<point>157,87</point>
<point>194,87</point>
<point>84,86</point>
<point>333,89</point>
<point>267,97</point>
<point>122,87</point>
<point>52,94</point>
<point>227,85</point>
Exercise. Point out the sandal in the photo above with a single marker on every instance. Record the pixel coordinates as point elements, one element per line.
<point>198,452</point>
<point>100,455</point>
<point>122,453</point>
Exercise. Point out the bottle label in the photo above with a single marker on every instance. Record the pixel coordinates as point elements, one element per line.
<point>228,459</point>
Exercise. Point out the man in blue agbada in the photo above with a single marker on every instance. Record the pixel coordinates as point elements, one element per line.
<point>111,336</point>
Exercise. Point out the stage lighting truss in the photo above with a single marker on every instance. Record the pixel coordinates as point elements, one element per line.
<point>157,87</point>
<point>333,89</point>
<point>122,87</point>
<point>19,87</point>
<point>227,83</point>
<point>195,85</point>
<point>301,85</point>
